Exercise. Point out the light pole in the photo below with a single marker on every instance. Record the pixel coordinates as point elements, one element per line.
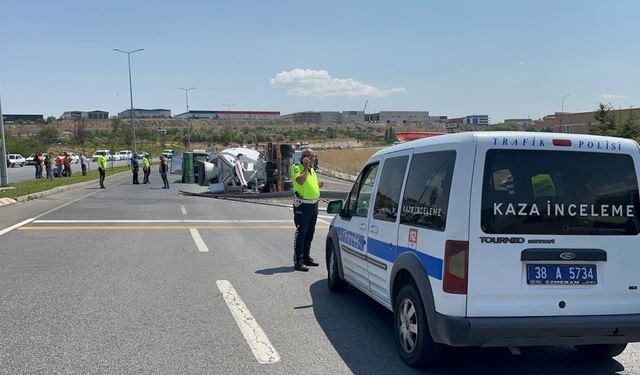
<point>186,95</point>
<point>562,114</point>
<point>4,181</point>
<point>133,124</point>
<point>229,109</point>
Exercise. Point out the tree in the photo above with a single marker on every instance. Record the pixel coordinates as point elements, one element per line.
<point>606,121</point>
<point>80,132</point>
<point>47,135</point>
<point>628,128</point>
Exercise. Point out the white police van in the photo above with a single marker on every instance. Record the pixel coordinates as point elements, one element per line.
<point>496,239</point>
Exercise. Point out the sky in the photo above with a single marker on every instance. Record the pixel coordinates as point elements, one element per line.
<point>506,59</point>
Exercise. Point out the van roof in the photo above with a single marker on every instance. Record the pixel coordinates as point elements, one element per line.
<point>523,140</point>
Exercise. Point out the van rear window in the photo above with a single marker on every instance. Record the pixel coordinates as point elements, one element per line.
<point>559,193</point>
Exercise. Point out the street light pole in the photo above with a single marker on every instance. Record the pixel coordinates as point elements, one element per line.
<point>4,180</point>
<point>186,95</point>
<point>133,116</point>
<point>229,109</point>
<point>562,114</point>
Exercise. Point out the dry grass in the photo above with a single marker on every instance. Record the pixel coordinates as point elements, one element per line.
<point>349,160</point>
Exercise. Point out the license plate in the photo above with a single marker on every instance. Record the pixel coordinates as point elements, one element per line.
<point>562,274</point>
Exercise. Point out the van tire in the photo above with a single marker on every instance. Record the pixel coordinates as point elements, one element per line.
<point>425,352</point>
<point>336,284</point>
<point>601,351</point>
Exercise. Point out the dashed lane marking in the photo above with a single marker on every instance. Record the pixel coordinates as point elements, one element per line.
<point>183,209</point>
<point>202,247</point>
<point>258,341</point>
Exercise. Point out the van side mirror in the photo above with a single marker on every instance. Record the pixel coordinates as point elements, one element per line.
<point>334,207</point>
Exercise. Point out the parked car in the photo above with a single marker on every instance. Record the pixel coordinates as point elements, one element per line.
<point>31,159</point>
<point>503,239</point>
<point>15,159</point>
<point>142,154</point>
<point>105,153</point>
<point>123,155</point>
<point>167,154</point>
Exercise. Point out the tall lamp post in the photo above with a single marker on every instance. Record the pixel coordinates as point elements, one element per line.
<point>133,116</point>
<point>229,109</point>
<point>562,114</point>
<point>4,180</point>
<point>186,95</point>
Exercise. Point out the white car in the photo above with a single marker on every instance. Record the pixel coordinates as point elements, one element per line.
<point>123,155</point>
<point>15,159</point>
<point>491,239</point>
<point>167,154</point>
<point>105,153</point>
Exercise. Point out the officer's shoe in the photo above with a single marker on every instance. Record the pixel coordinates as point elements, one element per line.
<point>308,261</point>
<point>299,266</point>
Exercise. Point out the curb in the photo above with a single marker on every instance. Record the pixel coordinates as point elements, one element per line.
<point>56,190</point>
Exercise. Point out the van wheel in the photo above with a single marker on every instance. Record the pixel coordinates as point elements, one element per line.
<point>336,284</point>
<point>601,351</point>
<point>413,340</point>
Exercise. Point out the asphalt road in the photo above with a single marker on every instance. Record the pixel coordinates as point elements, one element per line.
<point>114,281</point>
<point>28,172</point>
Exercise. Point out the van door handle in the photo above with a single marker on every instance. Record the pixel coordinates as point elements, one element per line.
<point>363,227</point>
<point>373,229</point>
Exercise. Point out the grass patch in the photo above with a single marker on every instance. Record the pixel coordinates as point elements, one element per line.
<point>345,160</point>
<point>35,186</point>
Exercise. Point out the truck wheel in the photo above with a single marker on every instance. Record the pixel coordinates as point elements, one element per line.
<point>336,284</point>
<point>601,351</point>
<point>413,340</point>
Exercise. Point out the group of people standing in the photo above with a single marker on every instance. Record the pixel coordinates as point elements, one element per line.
<point>59,167</point>
<point>146,169</point>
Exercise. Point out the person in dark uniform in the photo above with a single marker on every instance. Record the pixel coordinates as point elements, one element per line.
<point>305,209</point>
<point>135,167</point>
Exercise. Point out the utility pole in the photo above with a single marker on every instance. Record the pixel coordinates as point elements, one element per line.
<point>133,115</point>
<point>562,114</point>
<point>186,95</point>
<point>4,181</point>
<point>229,109</point>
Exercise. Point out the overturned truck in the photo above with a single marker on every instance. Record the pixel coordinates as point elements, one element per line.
<point>242,169</point>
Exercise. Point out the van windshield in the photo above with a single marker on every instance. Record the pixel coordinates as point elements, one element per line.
<point>559,193</point>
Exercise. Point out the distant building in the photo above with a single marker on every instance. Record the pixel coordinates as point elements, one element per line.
<point>9,118</point>
<point>578,122</point>
<point>473,120</point>
<point>404,117</point>
<point>304,117</point>
<point>331,117</point>
<point>232,115</point>
<point>352,117</point>
<point>146,113</point>
<point>83,114</point>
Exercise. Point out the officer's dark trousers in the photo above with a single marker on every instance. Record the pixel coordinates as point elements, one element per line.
<point>102,175</point>
<point>135,175</point>
<point>305,217</point>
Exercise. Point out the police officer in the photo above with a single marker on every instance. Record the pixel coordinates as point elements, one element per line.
<point>135,165</point>
<point>102,168</point>
<point>305,209</point>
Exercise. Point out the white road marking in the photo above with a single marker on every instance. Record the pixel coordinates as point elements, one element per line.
<point>92,221</point>
<point>15,226</point>
<point>202,247</point>
<point>183,209</point>
<point>258,341</point>
<point>324,221</point>
<point>74,201</point>
<point>326,217</point>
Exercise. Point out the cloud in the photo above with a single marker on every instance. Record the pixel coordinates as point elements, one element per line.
<point>614,97</point>
<point>521,63</point>
<point>319,83</point>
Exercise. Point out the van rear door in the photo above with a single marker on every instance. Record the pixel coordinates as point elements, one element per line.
<point>554,226</point>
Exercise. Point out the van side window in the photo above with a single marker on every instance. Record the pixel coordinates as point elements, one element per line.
<point>360,196</point>
<point>426,196</point>
<point>389,189</point>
